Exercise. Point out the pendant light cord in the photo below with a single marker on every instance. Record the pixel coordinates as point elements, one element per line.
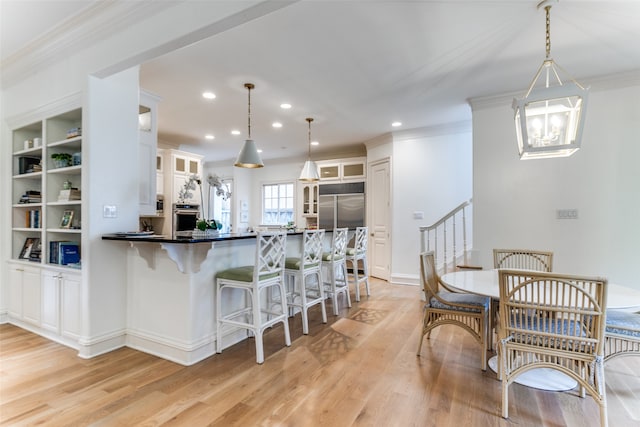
<point>249,112</point>
<point>309,120</point>
<point>548,36</point>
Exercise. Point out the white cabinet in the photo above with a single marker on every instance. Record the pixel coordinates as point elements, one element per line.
<point>24,293</point>
<point>147,148</point>
<point>182,165</point>
<point>160,172</point>
<point>61,303</point>
<point>14,287</point>
<point>50,301</point>
<point>308,206</point>
<point>343,170</point>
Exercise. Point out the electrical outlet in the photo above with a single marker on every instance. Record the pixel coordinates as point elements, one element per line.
<point>567,213</point>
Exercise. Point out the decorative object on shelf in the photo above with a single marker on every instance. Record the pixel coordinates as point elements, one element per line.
<point>61,160</point>
<point>30,243</point>
<point>67,217</point>
<point>249,156</point>
<point>29,165</point>
<point>73,132</point>
<point>549,119</point>
<point>69,195</point>
<point>310,169</point>
<point>77,159</point>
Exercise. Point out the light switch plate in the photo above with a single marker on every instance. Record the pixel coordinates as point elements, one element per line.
<point>109,211</point>
<point>418,215</point>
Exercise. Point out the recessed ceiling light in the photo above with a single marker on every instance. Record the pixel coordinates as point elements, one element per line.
<point>285,106</point>
<point>209,136</point>
<point>259,150</point>
<point>235,132</point>
<point>315,143</point>
<point>396,124</point>
<point>208,95</point>
<point>277,125</point>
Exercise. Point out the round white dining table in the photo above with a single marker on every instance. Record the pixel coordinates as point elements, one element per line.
<point>485,282</point>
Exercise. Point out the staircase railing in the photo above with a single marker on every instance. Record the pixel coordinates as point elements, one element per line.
<point>448,238</point>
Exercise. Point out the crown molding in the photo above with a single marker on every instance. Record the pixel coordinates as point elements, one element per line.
<point>595,84</point>
<point>379,140</point>
<point>59,106</point>
<point>80,31</point>
<point>463,126</point>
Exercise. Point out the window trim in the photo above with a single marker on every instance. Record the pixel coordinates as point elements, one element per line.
<point>262,201</point>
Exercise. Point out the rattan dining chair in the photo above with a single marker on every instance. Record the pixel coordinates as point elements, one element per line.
<point>444,306</point>
<point>556,321</point>
<point>525,259</point>
<point>622,334</point>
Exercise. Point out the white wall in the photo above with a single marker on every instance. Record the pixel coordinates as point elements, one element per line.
<point>111,111</point>
<point>431,174</point>
<point>515,201</point>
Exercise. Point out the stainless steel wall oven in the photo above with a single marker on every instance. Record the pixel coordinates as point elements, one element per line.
<point>184,219</point>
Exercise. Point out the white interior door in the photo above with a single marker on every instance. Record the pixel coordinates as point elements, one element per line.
<point>378,192</point>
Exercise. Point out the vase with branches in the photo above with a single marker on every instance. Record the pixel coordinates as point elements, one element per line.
<point>205,222</point>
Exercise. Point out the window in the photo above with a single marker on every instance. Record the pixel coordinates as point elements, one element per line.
<point>277,203</point>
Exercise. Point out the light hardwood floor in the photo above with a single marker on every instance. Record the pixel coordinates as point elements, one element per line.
<point>360,369</point>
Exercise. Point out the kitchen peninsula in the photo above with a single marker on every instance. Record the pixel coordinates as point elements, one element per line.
<point>171,292</point>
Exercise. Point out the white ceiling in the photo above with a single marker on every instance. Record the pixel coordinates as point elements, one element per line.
<point>357,66</point>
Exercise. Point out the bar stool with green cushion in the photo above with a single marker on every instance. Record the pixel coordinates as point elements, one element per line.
<point>622,334</point>
<point>303,277</point>
<point>359,253</point>
<point>266,273</point>
<point>335,268</point>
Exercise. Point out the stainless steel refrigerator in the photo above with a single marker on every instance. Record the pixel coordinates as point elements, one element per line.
<point>342,209</point>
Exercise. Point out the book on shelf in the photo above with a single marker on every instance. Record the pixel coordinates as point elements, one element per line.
<point>64,252</point>
<point>31,196</point>
<point>67,195</point>
<point>36,251</point>
<point>32,218</point>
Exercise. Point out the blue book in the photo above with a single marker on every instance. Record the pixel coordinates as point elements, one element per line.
<point>68,253</point>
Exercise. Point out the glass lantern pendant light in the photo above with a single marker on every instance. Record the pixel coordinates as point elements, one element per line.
<point>249,156</point>
<point>310,169</point>
<point>549,118</point>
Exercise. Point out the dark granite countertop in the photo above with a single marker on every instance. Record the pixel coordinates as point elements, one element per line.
<point>158,238</point>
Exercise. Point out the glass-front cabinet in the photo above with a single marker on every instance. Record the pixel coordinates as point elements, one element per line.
<point>343,170</point>
<point>308,206</point>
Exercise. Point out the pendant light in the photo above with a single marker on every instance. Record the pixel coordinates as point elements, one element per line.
<point>549,119</point>
<point>310,169</point>
<point>249,156</point>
